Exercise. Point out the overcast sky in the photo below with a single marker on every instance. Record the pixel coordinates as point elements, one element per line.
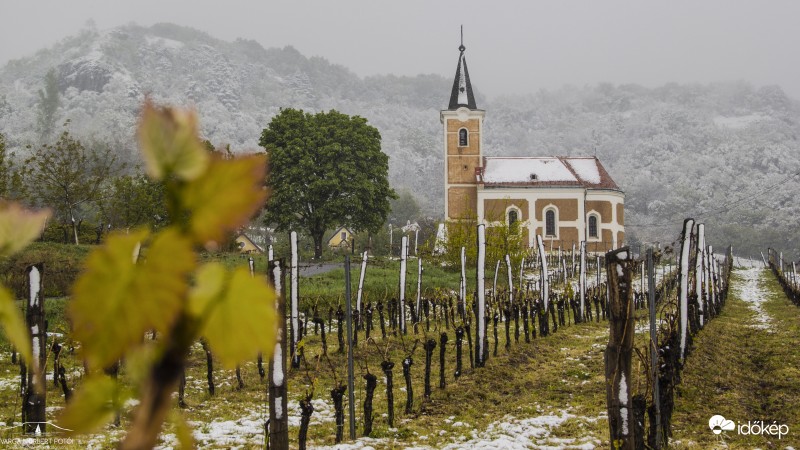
<point>512,47</point>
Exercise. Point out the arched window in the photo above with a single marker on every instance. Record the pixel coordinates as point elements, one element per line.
<point>550,223</point>
<point>463,138</point>
<point>513,219</point>
<point>593,226</point>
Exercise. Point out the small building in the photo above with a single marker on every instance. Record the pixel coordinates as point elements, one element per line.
<point>564,199</point>
<point>342,237</point>
<point>246,245</point>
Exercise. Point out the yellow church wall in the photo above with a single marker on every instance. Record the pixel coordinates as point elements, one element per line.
<point>602,208</point>
<point>472,125</point>
<point>567,208</point>
<point>461,201</point>
<point>461,169</point>
<point>620,214</point>
<point>494,210</point>
<point>472,149</point>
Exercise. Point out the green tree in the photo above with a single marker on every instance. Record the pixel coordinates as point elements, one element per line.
<point>69,178</point>
<point>6,168</point>
<point>49,102</point>
<point>325,170</point>
<point>404,208</point>
<point>133,200</point>
<point>11,183</point>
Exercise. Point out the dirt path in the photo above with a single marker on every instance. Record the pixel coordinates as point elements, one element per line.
<point>744,366</point>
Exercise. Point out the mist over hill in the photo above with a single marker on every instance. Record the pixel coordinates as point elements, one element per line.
<point>725,153</point>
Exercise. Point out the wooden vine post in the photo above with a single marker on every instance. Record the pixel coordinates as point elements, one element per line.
<point>480,313</point>
<point>278,417</point>
<point>295,311</point>
<point>402,298</point>
<point>350,343</point>
<point>699,272</point>
<point>35,394</point>
<point>510,281</point>
<point>619,270</point>
<point>683,310</point>
<point>582,282</point>
<point>364,257</point>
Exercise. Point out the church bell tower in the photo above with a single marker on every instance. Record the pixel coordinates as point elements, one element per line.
<point>462,124</point>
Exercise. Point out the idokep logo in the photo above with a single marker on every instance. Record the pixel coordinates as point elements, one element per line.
<point>718,424</point>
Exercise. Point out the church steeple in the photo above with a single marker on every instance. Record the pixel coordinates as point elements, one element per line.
<point>461,94</point>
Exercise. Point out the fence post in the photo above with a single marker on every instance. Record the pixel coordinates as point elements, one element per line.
<point>278,417</point>
<point>619,269</point>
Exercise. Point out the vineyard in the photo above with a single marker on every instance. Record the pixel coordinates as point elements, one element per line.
<point>389,352</point>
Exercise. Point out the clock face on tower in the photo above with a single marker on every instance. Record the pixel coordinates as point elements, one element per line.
<point>463,114</point>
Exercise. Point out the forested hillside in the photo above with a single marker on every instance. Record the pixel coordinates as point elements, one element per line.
<point>726,153</point>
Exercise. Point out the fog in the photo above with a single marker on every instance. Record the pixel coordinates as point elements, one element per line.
<point>520,47</point>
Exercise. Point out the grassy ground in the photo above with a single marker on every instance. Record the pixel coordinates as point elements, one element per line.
<point>743,372</point>
<point>557,378</point>
<point>550,392</point>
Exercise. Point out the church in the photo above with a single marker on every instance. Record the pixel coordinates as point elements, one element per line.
<point>565,199</point>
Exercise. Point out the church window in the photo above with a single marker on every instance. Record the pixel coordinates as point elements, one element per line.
<point>344,235</point>
<point>593,226</point>
<point>513,216</point>
<point>463,138</point>
<point>550,223</point>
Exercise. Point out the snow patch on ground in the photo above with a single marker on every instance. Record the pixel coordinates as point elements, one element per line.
<point>749,291</point>
<point>534,432</point>
<point>249,429</point>
<point>9,383</point>
<point>362,443</point>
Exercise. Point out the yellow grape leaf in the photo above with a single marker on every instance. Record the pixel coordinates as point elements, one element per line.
<point>19,227</point>
<point>14,325</point>
<point>169,143</point>
<point>242,322</point>
<point>182,430</point>
<point>225,197</point>
<point>92,405</point>
<point>115,301</point>
<point>209,285</point>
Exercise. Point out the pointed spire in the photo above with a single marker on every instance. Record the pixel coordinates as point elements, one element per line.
<point>461,94</point>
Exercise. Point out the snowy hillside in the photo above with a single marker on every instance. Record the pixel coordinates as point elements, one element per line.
<point>721,152</point>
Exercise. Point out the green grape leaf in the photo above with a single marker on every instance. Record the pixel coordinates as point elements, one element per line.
<point>225,197</point>
<point>209,286</point>
<point>169,143</point>
<point>19,227</point>
<point>182,430</point>
<point>92,405</point>
<point>241,322</point>
<point>144,296</point>
<point>14,325</point>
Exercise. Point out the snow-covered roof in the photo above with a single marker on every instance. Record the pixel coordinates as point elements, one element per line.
<point>546,171</point>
